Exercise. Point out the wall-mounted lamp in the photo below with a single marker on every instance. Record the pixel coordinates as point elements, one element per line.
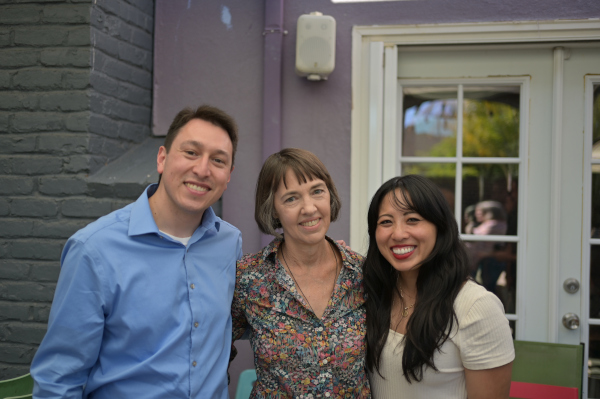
<point>315,46</point>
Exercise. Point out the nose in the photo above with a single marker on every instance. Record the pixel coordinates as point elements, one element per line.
<point>400,232</point>
<point>202,167</point>
<point>308,206</point>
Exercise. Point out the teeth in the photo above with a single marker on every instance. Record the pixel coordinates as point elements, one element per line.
<point>403,250</point>
<point>311,223</point>
<point>196,188</point>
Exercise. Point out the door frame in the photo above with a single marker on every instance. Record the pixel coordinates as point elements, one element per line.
<point>372,46</point>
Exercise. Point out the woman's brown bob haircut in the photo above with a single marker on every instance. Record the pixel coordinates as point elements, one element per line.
<point>306,166</point>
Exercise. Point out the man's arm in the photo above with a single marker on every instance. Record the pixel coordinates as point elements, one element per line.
<point>70,348</point>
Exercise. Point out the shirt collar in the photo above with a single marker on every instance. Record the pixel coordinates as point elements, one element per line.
<point>142,222</point>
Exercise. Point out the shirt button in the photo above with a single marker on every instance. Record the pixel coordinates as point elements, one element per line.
<point>196,324</point>
<point>327,394</point>
<point>324,361</point>
<point>194,363</point>
<point>192,286</point>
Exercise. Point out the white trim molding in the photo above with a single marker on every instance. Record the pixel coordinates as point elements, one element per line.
<point>406,36</point>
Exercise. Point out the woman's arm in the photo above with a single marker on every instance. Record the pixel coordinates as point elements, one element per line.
<point>489,384</point>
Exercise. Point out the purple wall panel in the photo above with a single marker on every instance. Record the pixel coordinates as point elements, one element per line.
<point>211,52</point>
<point>208,52</point>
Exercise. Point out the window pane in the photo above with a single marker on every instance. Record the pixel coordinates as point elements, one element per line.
<point>491,121</point>
<point>489,198</point>
<point>596,124</point>
<point>429,115</point>
<point>595,282</point>
<point>594,363</point>
<point>442,174</point>
<point>494,265</point>
<point>595,233</point>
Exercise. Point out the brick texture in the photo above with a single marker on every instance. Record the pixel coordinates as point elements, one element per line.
<point>75,94</point>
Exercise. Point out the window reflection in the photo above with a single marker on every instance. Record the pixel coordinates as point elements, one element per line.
<point>494,265</point>
<point>596,125</point>
<point>489,203</point>
<point>493,186</point>
<point>429,121</point>
<point>594,362</point>
<point>595,282</point>
<point>595,233</point>
<point>491,121</point>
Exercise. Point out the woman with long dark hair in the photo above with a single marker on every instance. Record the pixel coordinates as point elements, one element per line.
<point>431,331</point>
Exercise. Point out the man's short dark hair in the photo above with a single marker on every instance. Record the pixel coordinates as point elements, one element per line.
<point>206,113</point>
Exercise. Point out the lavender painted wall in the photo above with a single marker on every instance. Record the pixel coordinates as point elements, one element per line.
<point>211,52</point>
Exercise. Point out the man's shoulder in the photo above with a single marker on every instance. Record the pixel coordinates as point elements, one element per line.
<point>228,227</point>
<point>227,232</point>
<point>111,224</point>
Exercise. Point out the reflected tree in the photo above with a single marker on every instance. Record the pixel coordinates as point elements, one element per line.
<point>490,129</point>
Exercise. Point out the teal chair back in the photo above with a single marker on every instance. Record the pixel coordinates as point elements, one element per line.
<point>547,364</point>
<point>245,384</point>
<point>19,386</point>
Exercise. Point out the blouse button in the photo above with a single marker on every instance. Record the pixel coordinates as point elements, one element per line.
<point>194,363</point>
<point>196,324</point>
<point>192,286</point>
<point>327,394</point>
<point>324,361</point>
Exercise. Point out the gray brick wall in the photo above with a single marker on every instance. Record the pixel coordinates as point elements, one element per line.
<point>75,94</point>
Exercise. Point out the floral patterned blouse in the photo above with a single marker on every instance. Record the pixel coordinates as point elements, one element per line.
<point>296,354</point>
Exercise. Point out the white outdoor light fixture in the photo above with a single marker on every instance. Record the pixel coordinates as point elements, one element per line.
<point>315,46</point>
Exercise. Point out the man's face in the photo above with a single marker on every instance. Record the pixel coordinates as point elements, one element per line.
<point>197,168</point>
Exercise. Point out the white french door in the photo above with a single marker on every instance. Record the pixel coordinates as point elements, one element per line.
<point>506,130</point>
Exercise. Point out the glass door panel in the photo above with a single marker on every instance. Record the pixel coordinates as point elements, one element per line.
<point>594,248</point>
<point>479,141</point>
<point>491,121</point>
<point>429,117</point>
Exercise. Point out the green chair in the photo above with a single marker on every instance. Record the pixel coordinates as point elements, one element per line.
<point>22,385</point>
<point>245,384</point>
<point>542,370</point>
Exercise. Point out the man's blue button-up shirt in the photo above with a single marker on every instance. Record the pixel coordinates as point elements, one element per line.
<point>139,315</point>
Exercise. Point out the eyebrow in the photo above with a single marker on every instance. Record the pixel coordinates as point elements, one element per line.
<point>319,184</point>
<point>201,145</point>
<point>404,214</point>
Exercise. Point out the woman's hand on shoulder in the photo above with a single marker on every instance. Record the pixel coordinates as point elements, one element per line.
<point>342,243</point>
<point>489,384</point>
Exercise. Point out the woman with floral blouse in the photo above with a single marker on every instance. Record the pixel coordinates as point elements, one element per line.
<point>301,297</point>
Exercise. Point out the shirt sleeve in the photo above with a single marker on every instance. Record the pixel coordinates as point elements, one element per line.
<point>486,340</point>
<point>71,345</point>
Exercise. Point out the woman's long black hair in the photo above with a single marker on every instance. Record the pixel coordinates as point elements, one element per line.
<point>441,277</point>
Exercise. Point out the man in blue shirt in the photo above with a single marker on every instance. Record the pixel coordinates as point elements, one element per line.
<point>142,304</point>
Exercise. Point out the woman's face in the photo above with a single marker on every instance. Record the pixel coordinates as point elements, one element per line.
<point>404,238</point>
<point>304,209</point>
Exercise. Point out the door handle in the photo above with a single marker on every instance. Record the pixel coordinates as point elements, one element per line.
<point>571,321</point>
